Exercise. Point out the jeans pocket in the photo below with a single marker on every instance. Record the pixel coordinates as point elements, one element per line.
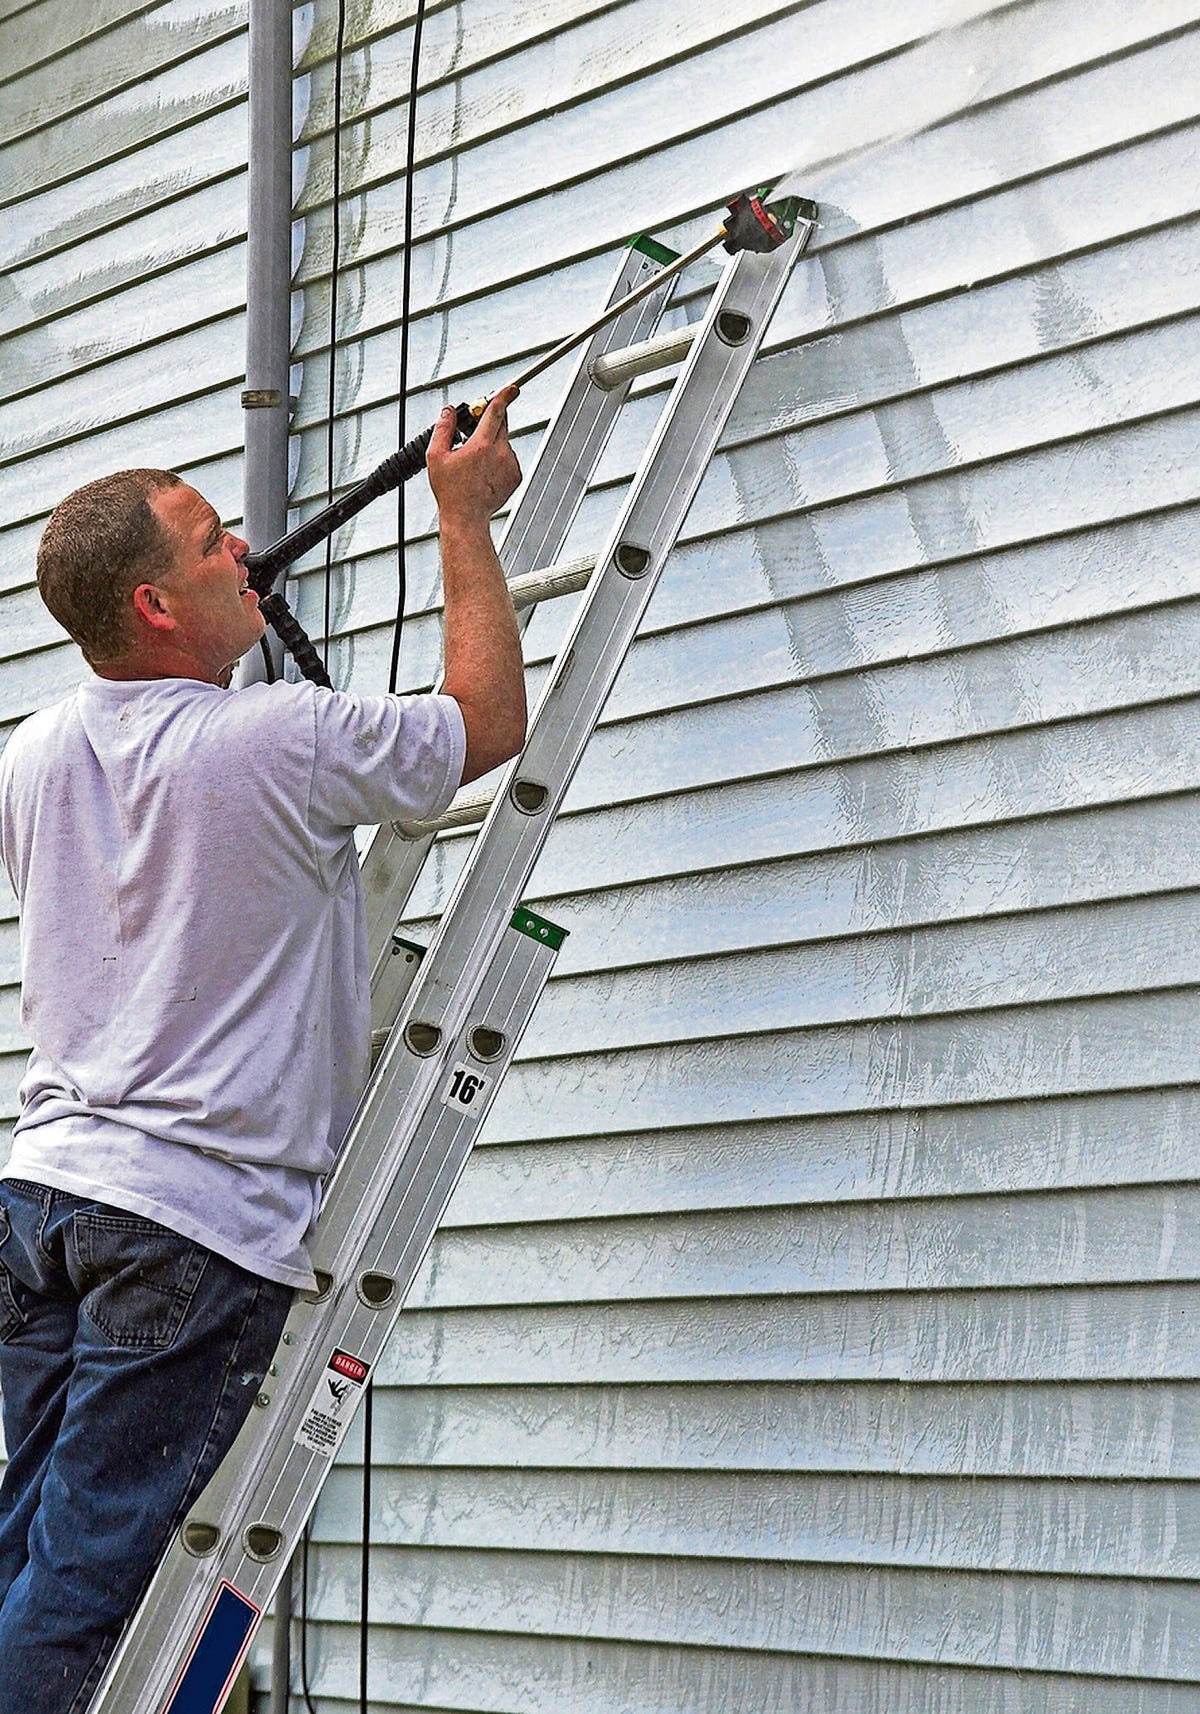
<point>137,1278</point>
<point>12,1317</point>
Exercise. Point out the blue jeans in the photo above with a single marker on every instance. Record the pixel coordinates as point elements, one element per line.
<point>129,1358</point>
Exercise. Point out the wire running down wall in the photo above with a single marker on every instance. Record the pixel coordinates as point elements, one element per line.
<point>812,1328</point>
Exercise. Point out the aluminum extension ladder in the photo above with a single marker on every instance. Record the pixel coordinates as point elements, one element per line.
<point>446,1023</point>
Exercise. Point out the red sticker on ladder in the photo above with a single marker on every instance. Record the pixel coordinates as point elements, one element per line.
<point>332,1405</point>
<point>345,1364</point>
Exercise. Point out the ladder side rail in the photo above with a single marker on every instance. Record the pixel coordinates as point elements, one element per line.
<point>512,836</point>
<point>534,532</point>
<point>535,783</point>
<point>254,1510</point>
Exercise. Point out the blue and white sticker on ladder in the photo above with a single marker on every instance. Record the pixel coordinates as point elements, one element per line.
<point>217,1653</point>
<point>466,1089</point>
<point>331,1407</point>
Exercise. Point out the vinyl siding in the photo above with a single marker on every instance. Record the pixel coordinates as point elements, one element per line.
<point>812,1327</point>
<point>122,240</point>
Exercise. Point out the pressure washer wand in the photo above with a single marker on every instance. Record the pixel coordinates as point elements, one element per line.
<point>614,310</point>
<point>751,224</point>
<point>264,567</point>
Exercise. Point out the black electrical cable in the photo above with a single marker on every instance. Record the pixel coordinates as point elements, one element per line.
<point>368,1406</point>
<point>304,1687</point>
<point>393,676</point>
<point>405,303</point>
<point>405,300</point>
<point>331,401</point>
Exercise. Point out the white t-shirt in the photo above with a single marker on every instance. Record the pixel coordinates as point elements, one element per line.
<point>194,962</point>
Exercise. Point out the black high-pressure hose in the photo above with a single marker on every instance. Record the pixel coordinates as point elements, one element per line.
<point>263,568</point>
<point>752,223</point>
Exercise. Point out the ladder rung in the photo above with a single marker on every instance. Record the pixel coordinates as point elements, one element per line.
<point>467,809</point>
<point>614,368</point>
<point>551,580</point>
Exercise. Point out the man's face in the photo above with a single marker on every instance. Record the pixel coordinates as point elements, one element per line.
<point>215,613</point>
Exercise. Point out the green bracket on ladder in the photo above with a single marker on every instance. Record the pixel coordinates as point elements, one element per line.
<point>538,928</point>
<point>651,247</point>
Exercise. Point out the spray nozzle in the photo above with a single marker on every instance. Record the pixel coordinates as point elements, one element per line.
<point>754,223</point>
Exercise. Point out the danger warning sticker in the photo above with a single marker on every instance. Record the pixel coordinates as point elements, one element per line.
<point>332,1405</point>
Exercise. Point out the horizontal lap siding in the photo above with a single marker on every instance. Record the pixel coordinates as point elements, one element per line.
<point>810,1329</point>
<point>813,1327</point>
<point>122,235</point>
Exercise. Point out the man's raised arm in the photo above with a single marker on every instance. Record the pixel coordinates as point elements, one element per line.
<point>484,671</point>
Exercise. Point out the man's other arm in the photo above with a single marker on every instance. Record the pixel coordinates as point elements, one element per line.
<point>484,672</point>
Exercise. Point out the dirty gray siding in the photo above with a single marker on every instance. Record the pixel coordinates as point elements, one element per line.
<point>122,239</point>
<point>814,1327</point>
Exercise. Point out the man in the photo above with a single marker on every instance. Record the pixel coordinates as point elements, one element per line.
<point>195,985</point>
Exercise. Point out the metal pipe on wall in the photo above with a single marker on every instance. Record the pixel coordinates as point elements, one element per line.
<point>268,285</point>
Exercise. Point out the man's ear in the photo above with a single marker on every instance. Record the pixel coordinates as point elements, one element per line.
<point>151,605</point>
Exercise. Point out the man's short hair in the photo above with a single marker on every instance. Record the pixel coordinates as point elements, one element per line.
<point>98,545</point>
